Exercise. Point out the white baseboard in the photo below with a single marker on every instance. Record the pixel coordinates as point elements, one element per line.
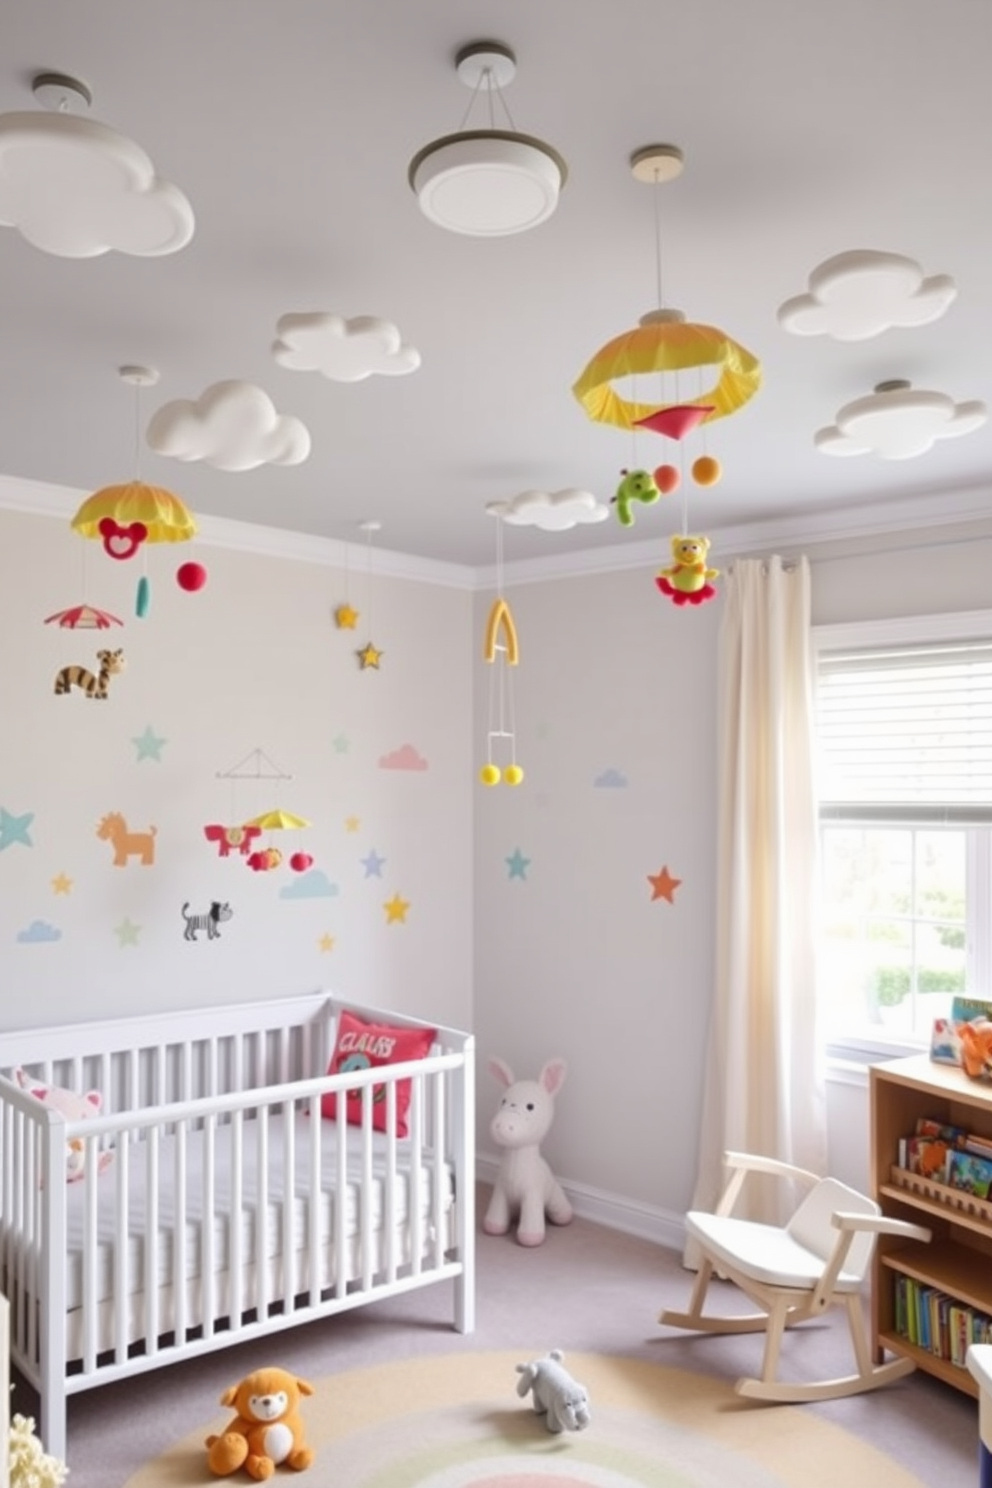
<point>609,1209</point>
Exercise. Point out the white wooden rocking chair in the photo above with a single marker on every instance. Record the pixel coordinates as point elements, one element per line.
<point>793,1272</point>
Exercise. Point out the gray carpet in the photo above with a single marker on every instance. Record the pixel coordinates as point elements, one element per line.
<point>588,1289</point>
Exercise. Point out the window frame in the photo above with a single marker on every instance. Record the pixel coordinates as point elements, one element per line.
<point>934,629</point>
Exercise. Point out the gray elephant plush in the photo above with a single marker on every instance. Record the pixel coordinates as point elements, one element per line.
<point>557,1396</point>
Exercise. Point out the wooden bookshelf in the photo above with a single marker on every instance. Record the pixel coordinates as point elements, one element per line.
<point>958,1260</point>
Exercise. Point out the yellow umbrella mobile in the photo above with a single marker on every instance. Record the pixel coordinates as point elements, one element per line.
<point>267,858</point>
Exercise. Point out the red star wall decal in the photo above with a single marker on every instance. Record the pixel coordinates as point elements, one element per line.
<point>663,885</point>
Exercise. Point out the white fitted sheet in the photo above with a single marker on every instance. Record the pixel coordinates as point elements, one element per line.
<point>218,1205</point>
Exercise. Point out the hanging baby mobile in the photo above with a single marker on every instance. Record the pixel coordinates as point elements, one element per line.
<point>369,655</point>
<point>126,517</point>
<point>664,345</point>
<point>241,836</point>
<point>501,650</point>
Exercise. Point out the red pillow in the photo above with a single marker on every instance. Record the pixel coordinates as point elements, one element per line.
<point>362,1045</point>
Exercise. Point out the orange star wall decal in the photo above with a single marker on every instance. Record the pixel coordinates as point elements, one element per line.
<point>663,885</point>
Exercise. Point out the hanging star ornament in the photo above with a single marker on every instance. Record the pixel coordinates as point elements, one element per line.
<point>346,617</point>
<point>368,657</point>
<point>663,885</point>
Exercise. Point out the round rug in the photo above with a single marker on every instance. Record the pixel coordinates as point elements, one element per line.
<point>457,1421</point>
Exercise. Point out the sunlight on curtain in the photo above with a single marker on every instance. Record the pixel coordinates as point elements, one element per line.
<point>764,1089</point>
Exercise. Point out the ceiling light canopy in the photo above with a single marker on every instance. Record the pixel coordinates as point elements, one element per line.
<point>490,182</point>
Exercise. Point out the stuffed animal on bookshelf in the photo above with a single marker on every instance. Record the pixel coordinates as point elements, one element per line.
<point>74,1107</point>
<point>267,1430</point>
<point>525,1185</point>
<point>976,1048</point>
<point>562,1401</point>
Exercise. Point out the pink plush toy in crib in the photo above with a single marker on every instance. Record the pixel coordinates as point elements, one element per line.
<point>74,1107</point>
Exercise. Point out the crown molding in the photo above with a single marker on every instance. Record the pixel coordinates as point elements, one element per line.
<point>925,514</point>
<point>38,498</point>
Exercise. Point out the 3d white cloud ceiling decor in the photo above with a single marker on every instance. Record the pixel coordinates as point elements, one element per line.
<point>232,425</point>
<point>554,511</point>
<point>897,422</point>
<point>75,188</point>
<point>856,295</point>
<point>342,350</point>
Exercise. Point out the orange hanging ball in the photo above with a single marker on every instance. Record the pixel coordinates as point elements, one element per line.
<point>667,478</point>
<point>706,471</point>
<point>191,576</point>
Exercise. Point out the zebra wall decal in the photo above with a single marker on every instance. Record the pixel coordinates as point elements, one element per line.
<point>92,685</point>
<point>209,920</point>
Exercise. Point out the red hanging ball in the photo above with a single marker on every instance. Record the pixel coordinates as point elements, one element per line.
<point>667,478</point>
<point>191,576</point>
<point>300,862</point>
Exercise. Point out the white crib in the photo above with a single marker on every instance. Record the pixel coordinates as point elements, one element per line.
<point>225,1210</point>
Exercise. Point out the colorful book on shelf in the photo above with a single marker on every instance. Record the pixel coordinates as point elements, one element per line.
<point>929,1126</point>
<point>967,1009</point>
<point>927,1156</point>
<point>969,1173</point>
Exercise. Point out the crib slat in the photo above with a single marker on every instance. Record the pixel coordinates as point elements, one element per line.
<point>179,1263</point>
<point>416,1204</point>
<point>288,1204</point>
<point>439,1085</point>
<point>122,1269</point>
<point>235,1233</point>
<point>365,1187</point>
<point>390,1261</point>
<point>342,1192</point>
<point>261,1216</point>
<point>91,1242</point>
<point>315,1202</point>
<point>208,1273</point>
<point>152,1253</point>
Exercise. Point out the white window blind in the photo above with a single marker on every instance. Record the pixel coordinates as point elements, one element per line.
<point>905,732</point>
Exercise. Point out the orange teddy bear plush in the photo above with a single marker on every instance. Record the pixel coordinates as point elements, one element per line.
<point>267,1430</point>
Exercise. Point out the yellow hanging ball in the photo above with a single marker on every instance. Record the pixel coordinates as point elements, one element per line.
<point>489,774</point>
<point>706,471</point>
<point>513,774</point>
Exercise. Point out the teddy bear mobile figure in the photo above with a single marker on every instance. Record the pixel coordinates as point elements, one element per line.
<point>687,579</point>
<point>267,1430</point>
<point>524,1183</point>
<point>562,1401</point>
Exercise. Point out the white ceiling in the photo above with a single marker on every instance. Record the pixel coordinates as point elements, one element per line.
<point>808,130</point>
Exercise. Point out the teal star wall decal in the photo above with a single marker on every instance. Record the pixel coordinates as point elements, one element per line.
<point>149,745</point>
<point>15,829</point>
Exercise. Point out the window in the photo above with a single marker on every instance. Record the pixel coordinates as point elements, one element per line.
<point>904,780</point>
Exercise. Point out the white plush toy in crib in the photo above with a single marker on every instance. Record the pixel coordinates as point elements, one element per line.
<point>524,1183</point>
<point>557,1396</point>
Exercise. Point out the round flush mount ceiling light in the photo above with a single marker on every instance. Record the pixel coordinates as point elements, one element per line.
<point>487,182</point>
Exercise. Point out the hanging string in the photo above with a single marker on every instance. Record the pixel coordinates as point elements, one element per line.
<point>369,528</point>
<point>499,557</point>
<point>657,239</point>
<point>137,430</point>
<point>489,81</point>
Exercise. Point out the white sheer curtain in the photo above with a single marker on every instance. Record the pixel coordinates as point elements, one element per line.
<point>764,1089</point>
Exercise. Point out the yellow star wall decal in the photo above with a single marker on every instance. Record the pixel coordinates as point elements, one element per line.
<point>663,885</point>
<point>326,943</point>
<point>369,656</point>
<point>396,909</point>
<point>61,884</point>
<point>352,823</point>
<point>346,617</point>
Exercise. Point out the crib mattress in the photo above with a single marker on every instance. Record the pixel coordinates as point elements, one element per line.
<point>209,1223</point>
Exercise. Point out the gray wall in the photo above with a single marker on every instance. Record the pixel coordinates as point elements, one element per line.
<point>574,958</point>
